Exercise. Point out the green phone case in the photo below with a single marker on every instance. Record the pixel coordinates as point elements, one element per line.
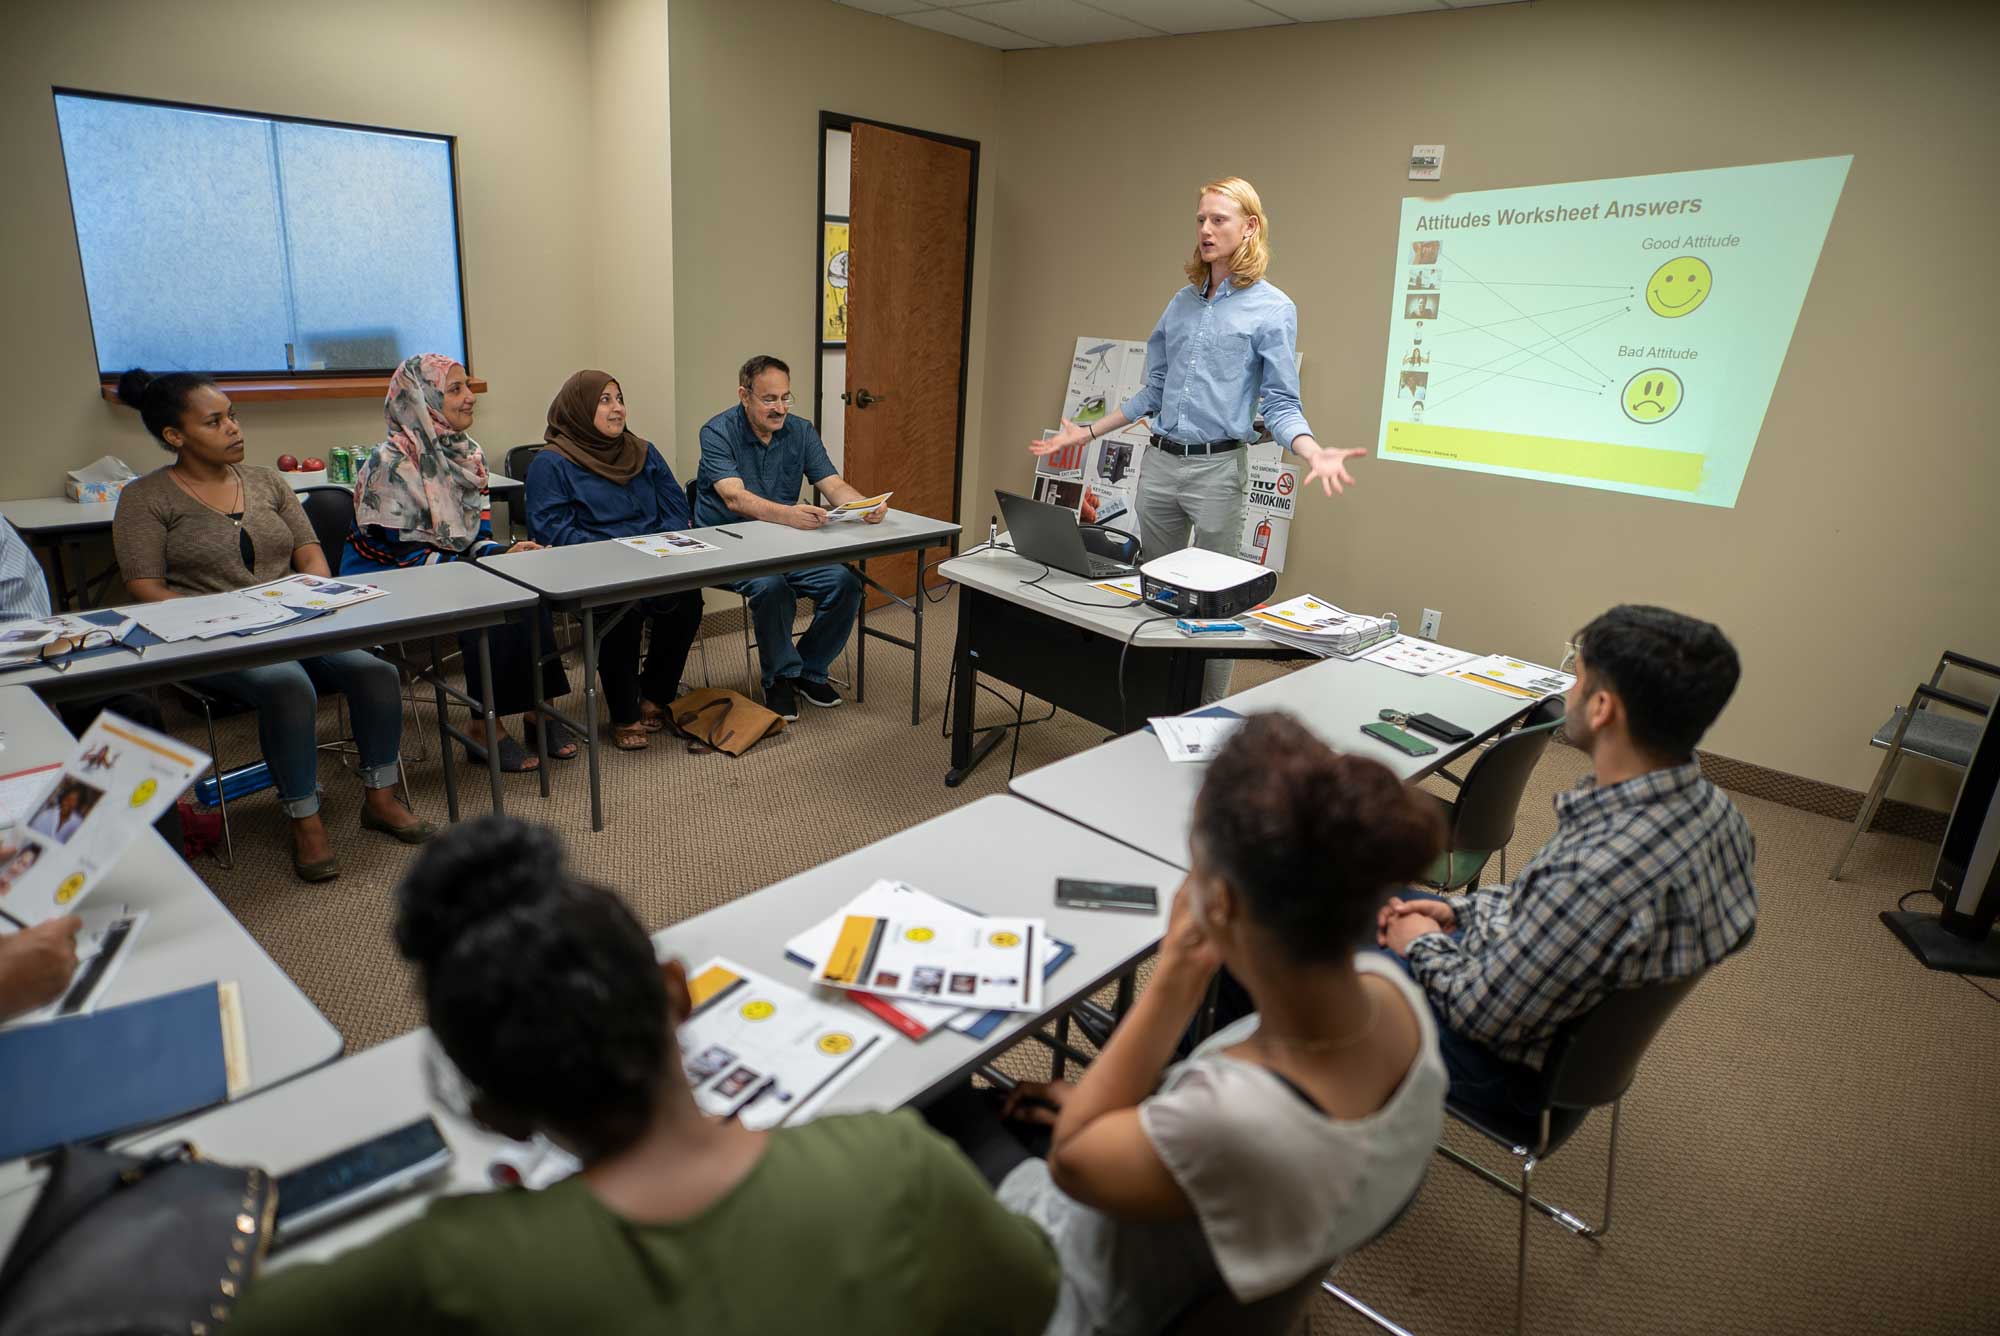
<point>1397,738</point>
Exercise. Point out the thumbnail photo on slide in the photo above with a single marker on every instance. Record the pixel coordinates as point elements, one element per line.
<point>1622,334</point>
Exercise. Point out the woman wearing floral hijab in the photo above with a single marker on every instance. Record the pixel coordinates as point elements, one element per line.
<point>419,498</point>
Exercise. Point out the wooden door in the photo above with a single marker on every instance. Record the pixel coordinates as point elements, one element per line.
<point>909,287</point>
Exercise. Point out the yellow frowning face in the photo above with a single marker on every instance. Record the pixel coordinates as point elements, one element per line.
<point>1679,286</point>
<point>1652,396</point>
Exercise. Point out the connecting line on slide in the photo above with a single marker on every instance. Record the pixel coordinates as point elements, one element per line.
<point>1501,298</point>
<point>1584,328</point>
<point>1522,283</point>
<point>1508,375</point>
<point>1530,350</point>
<point>1517,319</point>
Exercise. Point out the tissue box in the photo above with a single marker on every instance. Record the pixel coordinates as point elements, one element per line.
<point>93,492</point>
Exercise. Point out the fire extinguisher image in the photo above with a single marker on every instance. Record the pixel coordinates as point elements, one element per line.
<point>1261,540</point>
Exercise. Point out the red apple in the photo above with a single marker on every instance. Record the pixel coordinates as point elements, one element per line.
<point>313,464</point>
<point>288,464</point>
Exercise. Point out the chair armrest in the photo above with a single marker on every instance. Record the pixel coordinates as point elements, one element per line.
<point>1944,697</point>
<point>1953,657</point>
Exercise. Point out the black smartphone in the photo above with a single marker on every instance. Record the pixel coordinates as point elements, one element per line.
<point>365,1175</point>
<point>1397,738</point>
<point>1442,729</point>
<point>1072,893</point>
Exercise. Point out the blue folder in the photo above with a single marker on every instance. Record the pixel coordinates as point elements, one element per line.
<point>85,1077</point>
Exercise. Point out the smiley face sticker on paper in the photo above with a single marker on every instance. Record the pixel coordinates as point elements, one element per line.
<point>758,1010</point>
<point>1679,286</point>
<point>834,1043</point>
<point>144,793</point>
<point>1005,939</point>
<point>71,885</point>
<point>1652,396</point>
<point>919,935</point>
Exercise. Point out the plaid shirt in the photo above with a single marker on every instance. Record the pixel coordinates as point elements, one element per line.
<point>1645,880</point>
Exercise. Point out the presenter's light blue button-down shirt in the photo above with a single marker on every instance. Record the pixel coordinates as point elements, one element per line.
<point>1209,359</point>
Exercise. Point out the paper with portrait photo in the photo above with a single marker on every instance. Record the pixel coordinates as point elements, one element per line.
<point>925,953</point>
<point>672,544</point>
<point>118,781</point>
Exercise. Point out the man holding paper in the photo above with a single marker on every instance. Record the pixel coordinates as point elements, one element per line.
<point>755,460</point>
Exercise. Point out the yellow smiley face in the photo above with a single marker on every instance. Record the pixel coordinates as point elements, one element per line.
<point>69,888</point>
<point>1679,286</point>
<point>834,1043</point>
<point>1005,939</point>
<point>1652,396</point>
<point>757,1011</point>
<point>144,793</point>
<point>919,935</point>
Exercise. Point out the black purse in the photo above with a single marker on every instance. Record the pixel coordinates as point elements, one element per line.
<point>130,1244</point>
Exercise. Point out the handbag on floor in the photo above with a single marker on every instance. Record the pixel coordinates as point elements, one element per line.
<point>717,719</point>
<point>128,1243</point>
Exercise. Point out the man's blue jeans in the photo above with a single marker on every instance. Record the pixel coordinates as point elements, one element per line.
<point>836,595</point>
<point>286,698</point>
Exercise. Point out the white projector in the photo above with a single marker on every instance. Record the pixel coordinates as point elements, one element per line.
<point>1194,582</point>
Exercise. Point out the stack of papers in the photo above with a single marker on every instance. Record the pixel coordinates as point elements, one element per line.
<point>1407,654</point>
<point>1511,677</point>
<point>853,511</point>
<point>51,637</point>
<point>1190,738</point>
<point>669,544</point>
<point>246,611</point>
<point>1319,627</point>
<point>918,1012</point>
<point>764,1054</point>
<point>313,593</point>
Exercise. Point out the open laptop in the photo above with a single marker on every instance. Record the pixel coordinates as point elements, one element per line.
<point>1049,534</point>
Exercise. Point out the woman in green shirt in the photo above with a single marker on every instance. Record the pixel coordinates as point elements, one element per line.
<point>543,991</point>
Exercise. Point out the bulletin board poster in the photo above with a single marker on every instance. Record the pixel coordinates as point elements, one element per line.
<point>833,282</point>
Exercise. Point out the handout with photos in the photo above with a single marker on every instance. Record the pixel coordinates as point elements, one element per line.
<point>971,961</point>
<point>52,637</point>
<point>314,593</point>
<point>103,944</point>
<point>764,1053</point>
<point>1314,624</point>
<point>668,544</point>
<point>1189,738</point>
<point>1511,677</point>
<point>115,784</point>
<point>1407,654</point>
<point>850,511</point>
<point>209,615</point>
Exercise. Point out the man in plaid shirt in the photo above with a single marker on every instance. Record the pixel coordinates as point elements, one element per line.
<point>1647,878</point>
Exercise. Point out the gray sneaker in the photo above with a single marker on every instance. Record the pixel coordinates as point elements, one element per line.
<point>782,700</point>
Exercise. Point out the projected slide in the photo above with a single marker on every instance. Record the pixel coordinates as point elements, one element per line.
<point>1620,334</point>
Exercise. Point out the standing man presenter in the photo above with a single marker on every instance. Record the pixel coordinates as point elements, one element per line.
<point>1225,339</point>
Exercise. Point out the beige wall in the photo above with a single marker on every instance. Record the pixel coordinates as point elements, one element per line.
<point>749,82</point>
<point>1862,542</point>
<point>508,77</point>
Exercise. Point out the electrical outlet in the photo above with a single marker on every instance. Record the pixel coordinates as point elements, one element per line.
<point>1428,628</point>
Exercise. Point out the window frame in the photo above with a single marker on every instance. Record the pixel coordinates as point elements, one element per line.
<point>255,386</point>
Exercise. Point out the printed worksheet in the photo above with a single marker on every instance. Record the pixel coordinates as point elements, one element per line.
<point>210,615</point>
<point>969,961</point>
<point>852,512</point>
<point>102,945</point>
<point>762,1053</point>
<point>1189,738</point>
<point>115,784</point>
<point>669,544</point>
<point>1511,677</point>
<point>314,593</point>
<point>1407,654</point>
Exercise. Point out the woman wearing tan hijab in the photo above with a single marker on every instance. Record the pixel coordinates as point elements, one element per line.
<point>595,481</point>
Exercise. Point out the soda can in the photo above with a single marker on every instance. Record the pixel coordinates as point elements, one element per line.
<point>343,464</point>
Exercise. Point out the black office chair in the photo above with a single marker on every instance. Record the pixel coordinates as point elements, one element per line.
<point>515,465</point>
<point>1479,822</point>
<point>329,508</point>
<point>1591,1063</point>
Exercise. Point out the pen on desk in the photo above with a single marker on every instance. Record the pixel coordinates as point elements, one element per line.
<point>731,532</point>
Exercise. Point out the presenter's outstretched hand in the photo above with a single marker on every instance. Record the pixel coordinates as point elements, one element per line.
<point>1071,434</point>
<point>1328,468</point>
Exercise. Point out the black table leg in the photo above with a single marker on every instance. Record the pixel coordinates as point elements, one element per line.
<point>445,761</point>
<point>492,725</point>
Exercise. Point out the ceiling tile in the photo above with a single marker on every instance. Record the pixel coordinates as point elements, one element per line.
<point>893,8</point>
<point>1178,16</point>
<point>1321,11</point>
<point>955,24</point>
<point>1059,22</point>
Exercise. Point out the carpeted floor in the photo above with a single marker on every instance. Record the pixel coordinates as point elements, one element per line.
<point>1809,1146</point>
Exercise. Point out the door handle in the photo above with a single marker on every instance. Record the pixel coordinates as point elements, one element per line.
<point>861,398</point>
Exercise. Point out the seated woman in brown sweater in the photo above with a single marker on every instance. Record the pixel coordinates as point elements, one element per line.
<point>209,523</point>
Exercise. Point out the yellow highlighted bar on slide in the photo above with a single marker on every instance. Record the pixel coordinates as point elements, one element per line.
<point>1638,465</point>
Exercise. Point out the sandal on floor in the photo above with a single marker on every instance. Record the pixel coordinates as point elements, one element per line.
<point>651,717</point>
<point>631,737</point>
<point>514,758</point>
<point>562,742</point>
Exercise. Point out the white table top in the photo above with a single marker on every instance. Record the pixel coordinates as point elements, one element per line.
<point>1071,598</point>
<point>190,937</point>
<point>998,855</point>
<point>1129,790</point>
<point>52,515</point>
<point>425,601</point>
<point>590,575</point>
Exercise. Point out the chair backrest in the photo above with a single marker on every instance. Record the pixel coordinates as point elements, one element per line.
<point>1594,1057</point>
<point>692,487</point>
<point>516,462</point>
<point>330,511</point>
<point>1490,800</point>
<point>1103,541</point>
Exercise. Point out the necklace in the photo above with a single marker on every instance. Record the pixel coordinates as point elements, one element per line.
<point>188,487</point>
<point>1329,1045</point>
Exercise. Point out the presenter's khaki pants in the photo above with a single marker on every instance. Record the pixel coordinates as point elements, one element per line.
<point>1194,502</point>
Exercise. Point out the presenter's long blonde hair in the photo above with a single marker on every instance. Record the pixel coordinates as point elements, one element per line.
<point>1248,263</point>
